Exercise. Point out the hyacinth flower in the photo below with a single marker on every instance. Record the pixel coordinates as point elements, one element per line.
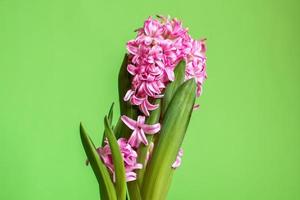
<point>161,75</point>
<point>139,129</point>
<point>129,156</point>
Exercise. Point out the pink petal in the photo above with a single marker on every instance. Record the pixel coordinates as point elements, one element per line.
<point>134,139</point>
<point>143,137</point>
<point>141,119</point>
<point>144,109</point>
<point>151,129</point>
<point>131,47</point>
<point>129,122</point>
<point>170,74</point>
<point>150,106</point>
<point>128,94</point>
<point>138,166</point>
<point>131,69</point>
<point>130,176</point>
<point>136,100</point>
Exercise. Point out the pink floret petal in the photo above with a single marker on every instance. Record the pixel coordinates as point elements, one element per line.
<point>129,157</point>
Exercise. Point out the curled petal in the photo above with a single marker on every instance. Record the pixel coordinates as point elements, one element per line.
<point>131,47</point>
<point>134,139</point>
<point>128,94</point>
<point>144,109</point>
<point>136,100</point>
<point>131,69</point>
<point>130,176</point>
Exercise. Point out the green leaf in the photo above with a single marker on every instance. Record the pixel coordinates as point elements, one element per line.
<point>173,130</point>
<point>173,86</point>
<point>97,165</point>
<point>110,118</point>
<point>111,113</point>
<point>124,84</point>
<point>117,161</point>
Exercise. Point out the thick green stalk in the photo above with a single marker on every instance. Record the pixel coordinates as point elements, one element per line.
<point>143,149</point>
<point>173,130</point>
<point>134,190</point>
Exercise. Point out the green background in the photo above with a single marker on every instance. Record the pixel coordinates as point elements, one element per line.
<point>59,62</point>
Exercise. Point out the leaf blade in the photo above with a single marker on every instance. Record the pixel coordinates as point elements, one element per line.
<point>124,84</point>
<point>110,118</point>
<point>173,86</point>
<point>174,126</point>
<point>117,161</point>
<point>97,165</point>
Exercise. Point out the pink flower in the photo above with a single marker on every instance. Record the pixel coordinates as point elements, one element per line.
<point>129,156</point>
<point>153,55</point>
<point>139,129</point>
<point>177,162</point>
<point>196,64</point>
<point>153,28</point>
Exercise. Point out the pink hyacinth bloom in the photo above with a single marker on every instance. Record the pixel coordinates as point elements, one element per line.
<point>177,162</point>
<point>129,157</point>
<point>139,129</point>
<point>196,64</point>
<point>153,56</point>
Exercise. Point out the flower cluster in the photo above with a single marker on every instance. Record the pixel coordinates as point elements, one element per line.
<point>129,157</point>
<point>159,46</point>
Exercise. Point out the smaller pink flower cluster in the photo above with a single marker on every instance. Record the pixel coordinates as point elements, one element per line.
<point>159,46</point>
<point>129,157</point>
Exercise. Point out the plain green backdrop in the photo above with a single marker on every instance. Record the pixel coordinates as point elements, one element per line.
<point>58,66</point>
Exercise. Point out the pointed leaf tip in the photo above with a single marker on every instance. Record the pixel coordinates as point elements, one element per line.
<point>97,165</point>
<point>117,161</point>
